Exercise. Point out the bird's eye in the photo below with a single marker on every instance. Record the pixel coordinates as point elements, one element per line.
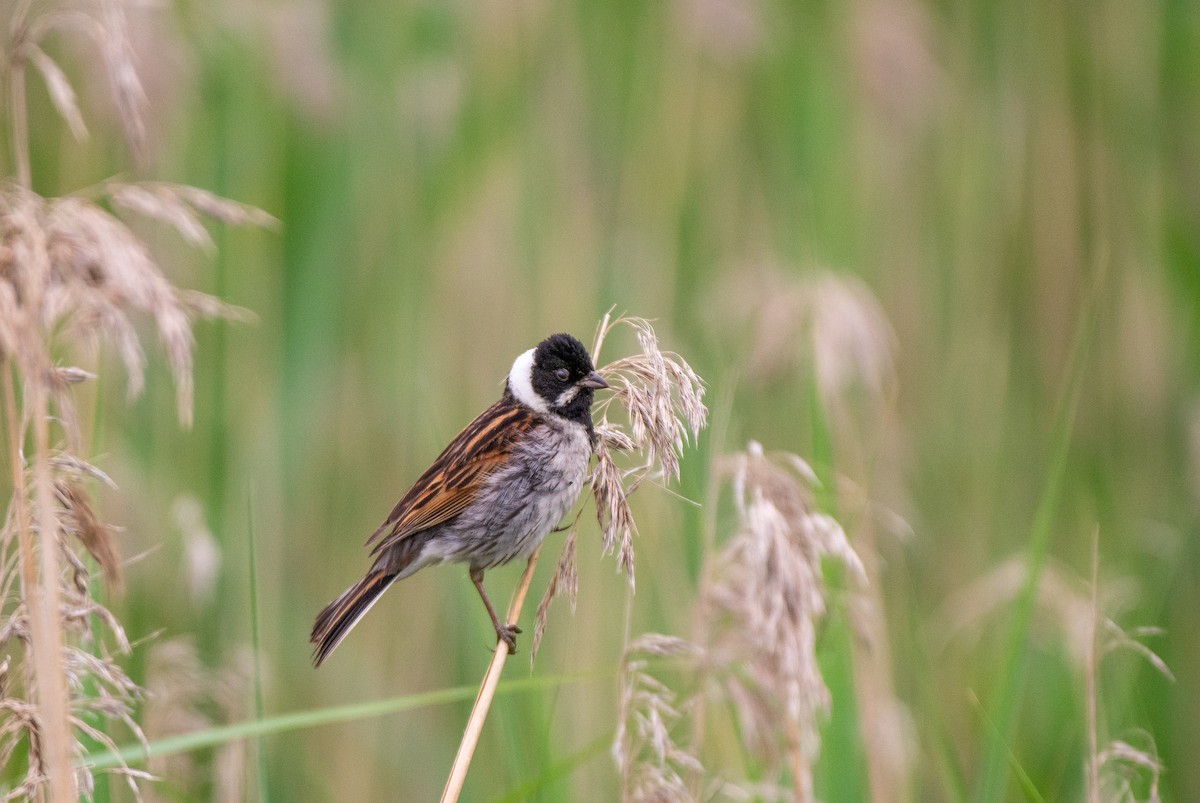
<point>562,374</point>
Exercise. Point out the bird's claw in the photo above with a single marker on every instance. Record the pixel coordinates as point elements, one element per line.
<point>508,634</point>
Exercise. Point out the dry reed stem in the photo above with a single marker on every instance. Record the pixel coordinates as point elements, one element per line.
<point>49,655</point>
<point>45,634</point>
<point>40,587</point>
<point>487,690</point>
<point>17,110</point>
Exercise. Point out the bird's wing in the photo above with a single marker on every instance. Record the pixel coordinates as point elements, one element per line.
<point>454,479</point>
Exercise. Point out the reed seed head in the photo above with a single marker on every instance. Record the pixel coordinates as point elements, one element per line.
<point>662,402</point>
<point>763,599</point>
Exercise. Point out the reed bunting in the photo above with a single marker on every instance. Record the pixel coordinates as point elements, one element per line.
<point>495,492</point>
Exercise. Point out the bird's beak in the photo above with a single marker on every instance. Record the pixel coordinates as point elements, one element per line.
<point>593,380</point>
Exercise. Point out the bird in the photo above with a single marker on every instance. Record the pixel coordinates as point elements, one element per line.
<point>493,494</point>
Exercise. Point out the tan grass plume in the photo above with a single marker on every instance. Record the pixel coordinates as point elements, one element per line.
<point>762,599</point>
<point>73,276</point>
<point>661,402</point>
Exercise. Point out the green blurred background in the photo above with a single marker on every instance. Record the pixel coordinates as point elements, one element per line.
<point>457,180</point>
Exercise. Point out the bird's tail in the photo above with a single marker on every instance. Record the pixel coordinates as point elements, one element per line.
<point>341,615</point>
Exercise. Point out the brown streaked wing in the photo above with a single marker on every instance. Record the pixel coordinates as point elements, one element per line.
<point>450,484</point>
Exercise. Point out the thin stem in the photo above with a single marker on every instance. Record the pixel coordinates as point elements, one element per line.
<point>259,706</point>
<point>40,578</point>
<point>49,657</point>
<point>1091,671</point>
<point>45,602</point>
<point>20,126</point>
<point>487,690</point>
<point>801,771</point>
<point>41,598</point>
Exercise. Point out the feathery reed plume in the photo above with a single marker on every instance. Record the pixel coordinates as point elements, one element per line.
<point>827,321</point>
<point>662,399</point>
<point>72,275</point>
<point>651,763</point>
<point>763,597</point>
<point>761,602</point>
<point>183,695</point>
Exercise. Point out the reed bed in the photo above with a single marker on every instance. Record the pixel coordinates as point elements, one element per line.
<point>944,254</point>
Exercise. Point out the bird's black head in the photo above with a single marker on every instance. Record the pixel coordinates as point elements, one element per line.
<point>557,376</point>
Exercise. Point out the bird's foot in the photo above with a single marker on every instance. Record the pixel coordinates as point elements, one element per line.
<point>508,634</point>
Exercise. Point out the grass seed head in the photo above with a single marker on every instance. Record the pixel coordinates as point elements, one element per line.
<point>73,276</point>
<point>652,764</point>
<point>662,401</point>
<point>762,603</point>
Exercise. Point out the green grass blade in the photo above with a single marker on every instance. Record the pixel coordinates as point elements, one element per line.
<point>1027,786</point>
<point>841,771</point>
<point>299,720</point>
<point>994,781</point>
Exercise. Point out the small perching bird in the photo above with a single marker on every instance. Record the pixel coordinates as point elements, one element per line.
<point>495,492</point>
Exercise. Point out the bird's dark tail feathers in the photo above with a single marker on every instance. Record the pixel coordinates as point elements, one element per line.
<point>341,615</point>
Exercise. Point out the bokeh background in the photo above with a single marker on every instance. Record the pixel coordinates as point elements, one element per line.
<point>905,221</point>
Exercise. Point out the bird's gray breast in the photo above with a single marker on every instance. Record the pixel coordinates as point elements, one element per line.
<point>525,499</point>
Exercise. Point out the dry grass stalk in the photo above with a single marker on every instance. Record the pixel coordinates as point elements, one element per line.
<point>72,276</point>
<point>487,690</point>
<point>662,400</point>
<point>40,598</point>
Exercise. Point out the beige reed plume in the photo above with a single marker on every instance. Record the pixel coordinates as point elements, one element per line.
<point>651,762</point>
<point>73,276</point>
<point>662,401</point>
<point>761,603</point>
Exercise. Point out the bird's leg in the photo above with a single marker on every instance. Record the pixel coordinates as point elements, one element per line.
<point>506,633</point>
